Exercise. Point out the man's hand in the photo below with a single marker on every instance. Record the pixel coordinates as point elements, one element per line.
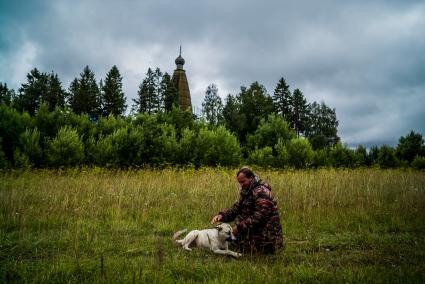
<point>216,218</point>
<point>235,230</point>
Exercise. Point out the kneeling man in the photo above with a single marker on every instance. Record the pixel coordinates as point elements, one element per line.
<point>256,215</point>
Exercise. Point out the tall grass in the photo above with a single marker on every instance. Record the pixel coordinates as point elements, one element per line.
<point>116,226</point>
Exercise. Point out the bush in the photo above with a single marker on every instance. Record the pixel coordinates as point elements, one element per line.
<point>360,157</point>
<point>387,157</point>
<point>4,163</point>
<point>217,147</point>
<point>186,153</point>
<point>29,152</point>
<point>107,125</point>
<point>48,122</point>
<point>321,158</point>
<point>341,156</point>
<point>108,150</point>
<point>269,132</point>
<point>12,124</point>
<point>419,163</point>
<point>66,149</point>
<point>262,157</point>
<point>409,147</point>
<point>298,153</point>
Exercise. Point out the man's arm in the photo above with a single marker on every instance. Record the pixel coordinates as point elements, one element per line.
<point>227,215</point>
<point>263,209</point>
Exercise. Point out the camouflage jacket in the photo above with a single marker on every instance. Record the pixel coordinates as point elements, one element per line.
<point>257,218</point>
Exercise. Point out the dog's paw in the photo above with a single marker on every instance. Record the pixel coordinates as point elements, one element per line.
<point>237,255</point>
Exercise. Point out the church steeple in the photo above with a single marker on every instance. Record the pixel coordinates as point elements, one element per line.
<point>179,60</point>
<point>181,84</point>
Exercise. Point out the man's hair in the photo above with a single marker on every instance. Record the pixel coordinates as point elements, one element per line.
<point>246,171</point>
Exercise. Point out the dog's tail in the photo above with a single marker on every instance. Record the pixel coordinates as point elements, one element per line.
<point>178,234</point>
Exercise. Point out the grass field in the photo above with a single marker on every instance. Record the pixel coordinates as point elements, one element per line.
<point>340,226</point>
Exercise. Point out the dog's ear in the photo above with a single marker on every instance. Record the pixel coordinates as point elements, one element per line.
<point>219,228</point>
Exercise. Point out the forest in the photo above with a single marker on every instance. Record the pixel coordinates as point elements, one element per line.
<point>43,125</point>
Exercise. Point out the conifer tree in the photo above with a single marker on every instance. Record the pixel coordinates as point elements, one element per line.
<point>85,94</point>
<point>6,95</point>
<point>212,107</point>
<point>55,95</point>
<point>299,112</point>
<point>234,119</point>
<point>113,99</point>
<point>40,88</point>
<point>147,100</point>
<point>282,100</point>
<point>158,94</point>
<point>30,93</point>
<point>169,93</point>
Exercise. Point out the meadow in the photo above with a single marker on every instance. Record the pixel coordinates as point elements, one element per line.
<point>95,225</point>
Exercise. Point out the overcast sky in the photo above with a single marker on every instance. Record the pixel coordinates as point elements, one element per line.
<point>366,59</point>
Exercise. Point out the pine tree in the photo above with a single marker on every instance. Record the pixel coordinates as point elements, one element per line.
<point>147,96</point>
<point>234,119</point>
<point>299,112</point>
<point>55,95</point>
<point>40,88</point>
<point>282,100</point>
<point>30,94</point>
<point>158,94</point>
<point>85,94</point>
<point>212,107</point>
<point>6,95</point>
<point>169,93</point>
<point>113,99</point>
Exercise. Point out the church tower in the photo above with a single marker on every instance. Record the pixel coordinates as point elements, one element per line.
<point>180,82</point>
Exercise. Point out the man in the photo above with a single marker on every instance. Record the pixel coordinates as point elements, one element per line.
<point>257,223</point>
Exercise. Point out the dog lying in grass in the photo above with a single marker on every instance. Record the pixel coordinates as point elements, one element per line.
<point>216,239</point>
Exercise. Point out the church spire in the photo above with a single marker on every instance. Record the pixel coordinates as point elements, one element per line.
<point>179,60</point>
<point>181,84</point>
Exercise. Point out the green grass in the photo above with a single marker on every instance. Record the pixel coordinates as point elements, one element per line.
<point>340,226</point>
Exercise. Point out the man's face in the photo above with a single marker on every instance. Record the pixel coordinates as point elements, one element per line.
<point>244,181</point>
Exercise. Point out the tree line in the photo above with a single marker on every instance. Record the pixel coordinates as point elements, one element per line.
<point>44,125</point>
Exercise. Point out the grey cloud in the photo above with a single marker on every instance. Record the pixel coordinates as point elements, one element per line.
<point>363,58</point>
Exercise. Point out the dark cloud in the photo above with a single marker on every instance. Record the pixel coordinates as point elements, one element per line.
<point>364,58</point>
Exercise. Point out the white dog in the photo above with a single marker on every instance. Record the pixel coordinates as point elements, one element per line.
<point>216,240</point>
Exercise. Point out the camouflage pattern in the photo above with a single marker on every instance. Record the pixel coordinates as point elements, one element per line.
<point>257,219</point>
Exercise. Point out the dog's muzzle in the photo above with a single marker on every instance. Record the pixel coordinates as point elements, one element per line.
<point>231,238</point>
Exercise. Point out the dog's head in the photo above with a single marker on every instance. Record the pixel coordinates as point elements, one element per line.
<point>226,231</point>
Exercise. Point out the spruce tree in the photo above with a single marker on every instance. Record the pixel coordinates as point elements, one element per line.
<point>85,94</point>
<point>55,95</point>
<point>282,100</point>
<point>113,99</point>
<point>6,95</point>
<point>169,93</point>
<point>212,107</point>
<point>147,100</point>
<point>234,119</point>
<point>158,94</point>
<point>30,94</point>
<point>299,112</point>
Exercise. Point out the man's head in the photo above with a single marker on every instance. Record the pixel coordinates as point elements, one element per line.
<point>244,177</point>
